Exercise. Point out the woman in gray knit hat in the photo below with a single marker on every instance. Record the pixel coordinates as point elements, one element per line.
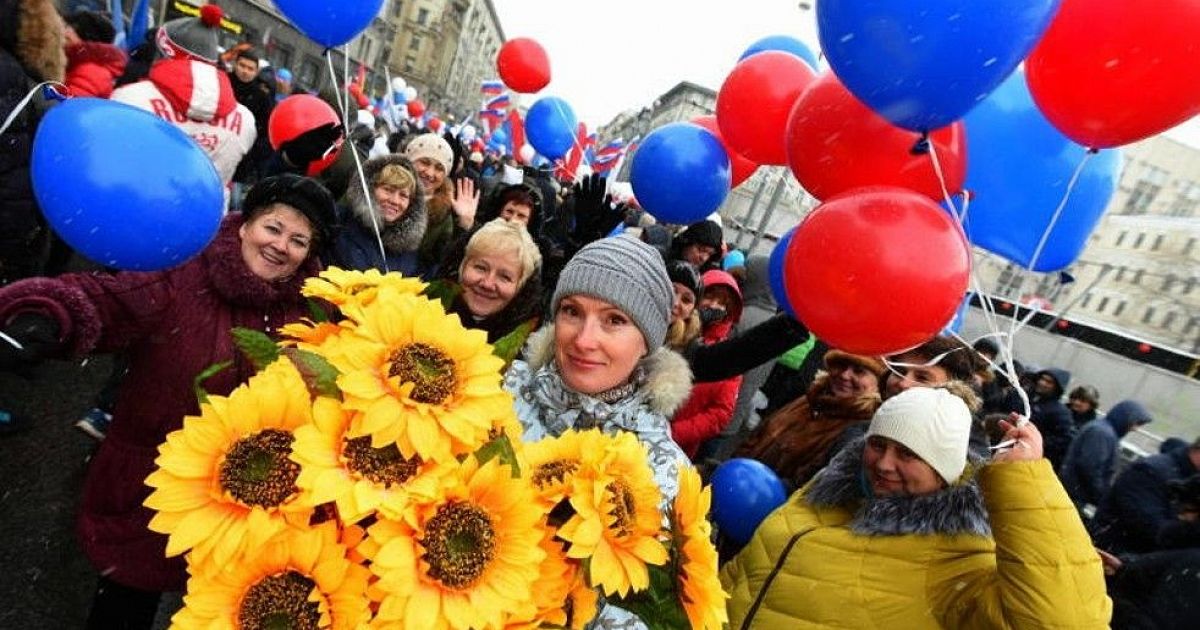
<point>601,363</point>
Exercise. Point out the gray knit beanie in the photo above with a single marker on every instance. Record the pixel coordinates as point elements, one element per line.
<point>628,274</point>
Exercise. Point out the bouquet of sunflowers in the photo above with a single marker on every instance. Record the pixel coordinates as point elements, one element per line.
<point>372,474</point>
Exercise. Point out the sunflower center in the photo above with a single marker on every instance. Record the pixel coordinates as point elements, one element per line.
<point>553,471</point>
<point>429,370</point>
<point>384,466</point>
<point>459,544</point>
<point>280,602</point>
<point>257,471</point>
<point>624,510</point>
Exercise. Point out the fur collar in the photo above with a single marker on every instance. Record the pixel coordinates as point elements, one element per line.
<point>668,379</point>
<point>406,233</point>
<point>958,509</point>
<point>38,39</point>
<point>822,402</point>
<point>234,281</point>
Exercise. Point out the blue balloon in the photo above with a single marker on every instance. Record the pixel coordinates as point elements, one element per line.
<point>680,173</point>
<point>124,187</point>
<point>735,258</point>
<point>745,491</point>
<point>775,268</point>
<point>330,23</point>
<point>782,43</point>
<point>1018,168</point>
<point>925,66</point>
<point>550,126</point>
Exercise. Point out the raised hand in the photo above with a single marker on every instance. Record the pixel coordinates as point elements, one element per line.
<point>466,202</point>
<point>1022,441</point>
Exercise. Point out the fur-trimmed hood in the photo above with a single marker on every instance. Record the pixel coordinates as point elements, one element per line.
<point>405,234</point>
<point>957,509</point>
<point>667,377</point>
<point>32,31</point>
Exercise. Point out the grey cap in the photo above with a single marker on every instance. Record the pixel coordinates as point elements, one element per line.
<point>192,36</point>
<point>626,273</point>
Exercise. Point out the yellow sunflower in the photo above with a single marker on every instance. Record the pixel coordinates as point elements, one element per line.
<point>551,463</point>
<point>561,596</point>
<point>617,521</point>
<point>224,482</point>
<point>302,579</point>
<point>348,471</point>
<point>310,335</point>
<point>464,561</point>
<point>419,379</point>
<point>699,587</point>
<point>342,286</point>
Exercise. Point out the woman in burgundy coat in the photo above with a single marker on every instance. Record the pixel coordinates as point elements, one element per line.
<point>172,325</point>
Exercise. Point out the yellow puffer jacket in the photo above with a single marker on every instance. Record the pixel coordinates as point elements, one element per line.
<point>925,562</point>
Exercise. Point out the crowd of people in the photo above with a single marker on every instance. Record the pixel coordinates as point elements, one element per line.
<point>920,494</point>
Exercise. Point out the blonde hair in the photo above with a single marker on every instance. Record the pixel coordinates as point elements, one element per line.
<point>681,334</point>
<point>500,236</point>
<point>398,176</point>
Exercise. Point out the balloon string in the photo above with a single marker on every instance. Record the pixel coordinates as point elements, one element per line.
<point>24,102</point>
<point>362,176</point>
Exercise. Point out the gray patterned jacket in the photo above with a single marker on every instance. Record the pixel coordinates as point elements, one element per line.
<point>546,407</point>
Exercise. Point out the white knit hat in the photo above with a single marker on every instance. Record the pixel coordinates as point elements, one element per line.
<point>432,146</point>
<point>931,422</point>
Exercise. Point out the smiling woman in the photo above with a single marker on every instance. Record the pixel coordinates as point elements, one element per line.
<point>172,325</point>
<point>500,279</point>
<point>394,216</point>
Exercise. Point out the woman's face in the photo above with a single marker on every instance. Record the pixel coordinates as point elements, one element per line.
<point>490,281</point>
<point>894,470</point>
<point>392,201</point>
<point>684,304</point>
<point>597,346</point>
<point>901,378</point>
<point>431,173</point>
<point>848,380</point>
<point>516,212</point>
<point>697,254</point>
<point>276,242</point>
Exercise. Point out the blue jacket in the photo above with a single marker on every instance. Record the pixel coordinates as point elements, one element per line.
<point>1137,514</point>
<point>357,247</point>
<point>1091,459</point>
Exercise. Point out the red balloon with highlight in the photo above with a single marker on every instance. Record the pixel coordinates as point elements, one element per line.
<point>755,101</point>
<point>523,65</point>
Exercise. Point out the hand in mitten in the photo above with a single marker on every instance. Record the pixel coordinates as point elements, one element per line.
<point>26,339</point>
<point>595,213</point>
<point>311,145</point>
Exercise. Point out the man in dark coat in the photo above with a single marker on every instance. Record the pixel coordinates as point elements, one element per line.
<point>258,97</point>
<point>1091,459</point>
<point>1139,514</point>
<point>1050,415</point>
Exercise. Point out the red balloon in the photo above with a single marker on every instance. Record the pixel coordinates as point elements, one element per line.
<point>877,270</point>
<point>755,101</point>
<point>1111,72</point>
<point>1144,348</point>
<point>742,168</point>
<point>298,114</point>
<point>523,65</point>
<point>416,108</point>
<point>435,124</point>
<point>836,143</point>
<point>1063,324</point>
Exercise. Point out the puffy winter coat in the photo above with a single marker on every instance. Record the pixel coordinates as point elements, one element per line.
<point>171,325</point>
<point>93,68</point>
<point>356,246</point>
<point>1137,514</point>
<point>1003,550</point>
<point>1091,459</point>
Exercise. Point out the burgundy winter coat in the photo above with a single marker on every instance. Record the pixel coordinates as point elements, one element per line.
<point>93,68</point>
<point>172,325</point>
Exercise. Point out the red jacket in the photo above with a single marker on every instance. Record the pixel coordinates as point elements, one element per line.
<point>171,325</point>
<point>93,68</point>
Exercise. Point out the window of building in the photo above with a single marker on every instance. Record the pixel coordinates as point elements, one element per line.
<point>1120,274</point>
<point>414,43</point>
<point>1189,245</point>
<point>1169,282</point>
<point>281,56</point>
<point>1187,201</point>
<point>422,16</point>
<point>309,70</point>
<point>1120,309</point>
<point>1193,323</point>
<point>410,62</point>
<point>1103,304</point>
<point>1189,285</point>
<point>397,8</point>
<point>1137,276</point>
<point>1148,315</point>
<point>1146,189</point>
<point>1141,238</point>
<point>1168,320</point>
<point>1121,238</point>
<point>1086,299</point>
<point>1158,241</point>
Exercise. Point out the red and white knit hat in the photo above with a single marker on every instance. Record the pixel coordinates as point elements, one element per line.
<point>192,37</point>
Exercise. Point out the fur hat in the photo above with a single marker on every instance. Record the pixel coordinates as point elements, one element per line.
<point>32,31</point>
<point>933,423</point>
<point>433,147</point>
<point>302,193</point>
<point>874,365</point>
<point>627,273</point>
<point>192,37</point>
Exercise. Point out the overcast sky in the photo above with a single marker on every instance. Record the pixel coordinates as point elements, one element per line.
<point>607,57</point>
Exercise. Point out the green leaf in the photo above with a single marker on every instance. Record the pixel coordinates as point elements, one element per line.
<point>198,382</point>
<point>509,346</point>
<point>658,606</point>
<point>319,375</point>
<point>443,290</point>
<point>317,311</point>
<point>256,345</point>
<point>500,447</point>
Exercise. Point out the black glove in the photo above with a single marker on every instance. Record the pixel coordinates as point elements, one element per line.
<point>28,338</point>
<point>595,214</point>
<point>311,145</point>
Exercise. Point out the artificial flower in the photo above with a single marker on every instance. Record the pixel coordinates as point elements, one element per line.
<point>341,287</point>
<point>697,583</point>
